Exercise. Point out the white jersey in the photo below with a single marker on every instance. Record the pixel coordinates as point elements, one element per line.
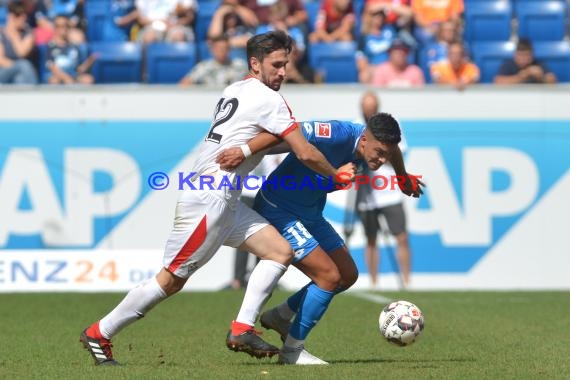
<point>246,108</point>
<point>370,199</point>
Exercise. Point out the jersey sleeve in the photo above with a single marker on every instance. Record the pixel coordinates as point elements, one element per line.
<point>327,133</point>
<point>278,119</point>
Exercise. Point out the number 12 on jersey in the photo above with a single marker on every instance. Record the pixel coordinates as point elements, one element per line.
<point>225,109</point>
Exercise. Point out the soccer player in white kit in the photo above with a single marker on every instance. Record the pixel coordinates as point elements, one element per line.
<point>207,219</point>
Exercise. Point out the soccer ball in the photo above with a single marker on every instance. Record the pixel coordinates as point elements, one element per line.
<point>401,323</point>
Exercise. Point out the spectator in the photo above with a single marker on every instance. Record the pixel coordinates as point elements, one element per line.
<point>372,204</point>
<point>64,57</point>
<point>524,68</point>
<point>16,44</point>
<point>278,21</point>
<point>397,72</point>
<point>335,22</point>
<point>45,12</point>
<point>428,14</point>
<point>168,20</point>
<point>374,43</point>
<point>447,32</point>
<point>121,17</point>
<point>220,70</point>
<point>456,70</point>
<point>399,15</point>
<point>234,21</point>
<point>298,71</point>
<point>296,13</point>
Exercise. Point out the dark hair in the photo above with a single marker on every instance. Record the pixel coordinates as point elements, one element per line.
<point>16,7</point>
<point>385,128</point>
<point>262,45</point>
<point>524,44</point>
<point>218,38</point>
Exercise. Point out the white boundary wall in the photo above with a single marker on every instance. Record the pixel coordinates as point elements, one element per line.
<point>534,255</point>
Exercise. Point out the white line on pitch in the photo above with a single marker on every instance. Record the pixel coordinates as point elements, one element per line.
<point>370,297</point>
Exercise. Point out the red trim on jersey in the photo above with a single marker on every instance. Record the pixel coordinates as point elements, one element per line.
<point>249,76</point>
<point>289,108</point>
<point>192,244</point>
<point>289,129</point>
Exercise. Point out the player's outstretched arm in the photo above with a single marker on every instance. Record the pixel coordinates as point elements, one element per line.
<point>410,184</point>
<point>311,157</point>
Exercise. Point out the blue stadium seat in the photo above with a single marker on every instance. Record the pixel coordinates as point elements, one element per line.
<point>3,15</point>
<point>169,62</point>
<point>117,62</point>
<point>336,61</point>
<point>95,14</point>
<point>541,20</point>
<point>312,8</point>
<point>43,56</point>
<point>488,21</point>
<point>204,52</point>
<point>556,55</point>
<point>358,7</point>
<point>63,7</point>
<point>206,11</point>
<point>489,56</point>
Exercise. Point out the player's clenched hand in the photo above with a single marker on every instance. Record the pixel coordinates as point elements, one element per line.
<point>230,158</point>
<point>346,173</point>
<point>411,185</point>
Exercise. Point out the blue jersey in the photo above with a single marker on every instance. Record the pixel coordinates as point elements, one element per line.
<point>296,188</point>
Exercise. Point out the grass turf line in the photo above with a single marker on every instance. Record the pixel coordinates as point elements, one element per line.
<point>468,335</point>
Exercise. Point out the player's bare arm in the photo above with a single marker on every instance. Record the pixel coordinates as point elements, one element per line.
<point>307,153</point>
<point>311,157</point>
<point>231,158</point>
<point>412,185</point>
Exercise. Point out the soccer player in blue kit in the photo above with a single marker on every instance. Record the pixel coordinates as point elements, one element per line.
<point>293,198</point>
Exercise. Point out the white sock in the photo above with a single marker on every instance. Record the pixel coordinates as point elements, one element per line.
<point>285,311</point>
<point>134,306</point>
<point>293,343</point>
<point>259,287</point>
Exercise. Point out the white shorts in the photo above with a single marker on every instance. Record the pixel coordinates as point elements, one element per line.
<point>202,224</point>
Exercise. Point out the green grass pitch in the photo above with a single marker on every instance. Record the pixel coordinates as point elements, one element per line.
<point>468,335</point>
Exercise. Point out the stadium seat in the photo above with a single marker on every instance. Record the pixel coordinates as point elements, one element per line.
<point>63,7</point>
<point>3,15</point>
<point>117,62</point>
<point>95,14</point>
<point>206,11</point>
<point>556,56</point>
<point>336,61</point>
<point>169,62</point>
<point>541,20</point>
<point>488,56</point>
<point>488,21</point>
<point>312,8</point>
<point>204,52</point>
<point>43,56</point>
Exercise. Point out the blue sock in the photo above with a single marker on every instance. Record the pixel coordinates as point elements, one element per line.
<point>295,300</point>
<point>313,306</point>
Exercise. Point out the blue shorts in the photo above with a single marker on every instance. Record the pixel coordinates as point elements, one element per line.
<point>304,235</point>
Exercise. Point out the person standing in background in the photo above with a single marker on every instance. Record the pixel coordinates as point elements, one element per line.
<point>371,204</point>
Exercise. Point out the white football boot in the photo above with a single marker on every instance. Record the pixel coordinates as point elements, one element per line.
<point>298,356</point>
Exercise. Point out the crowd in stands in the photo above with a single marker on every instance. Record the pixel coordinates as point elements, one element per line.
<point>385,43</point>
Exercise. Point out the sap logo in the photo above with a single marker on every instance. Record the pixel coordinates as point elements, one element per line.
<point>68,221</point>
<point>471,222</point>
